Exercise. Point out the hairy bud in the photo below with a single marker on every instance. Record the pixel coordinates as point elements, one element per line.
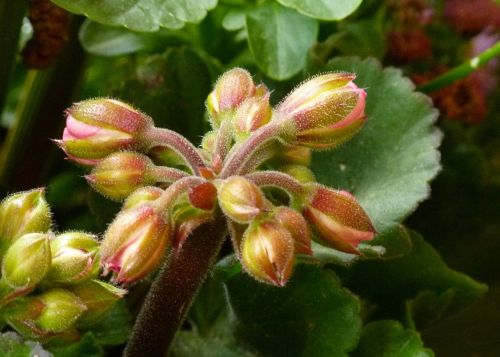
<point>98,127</point>
<point>121,173</point>
<point>240,199</point>
<point>338,218</point>
<point>295,223</point>
<point>267,252</point>
<point>134,243</point>
<point>142,195</point>
<point>61,310</point>
<point>326,110</point>
<point>253,113</point>
<point>74,258</point>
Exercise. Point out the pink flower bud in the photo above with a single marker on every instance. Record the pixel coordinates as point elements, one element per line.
<point>295,223</point>
<point>96,128</point>
<point>240,199</point>
<point>338,218</point>
<point>267,252</point>
<point>135,243</point>
<point>232,88</point>
<point>121,173</point>
<point>325,111</point>
<point>253,113</point>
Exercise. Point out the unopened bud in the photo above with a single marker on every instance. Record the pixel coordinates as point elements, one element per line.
<point>135,243</point>
<point>27,260</point>
<point>21,213</point>
<point>253,113</point>
<point>231,89</point>
<point>338,218</point>
<point>98,127</point>
<point>74,258</point>
<point>121,173</point>
<point>61,310</point>
<point>203,196</point>
<point>295,223</point>
<point>240,199</point>
<point>294,155</point>
<point>326,110</point>
<point>98,297</point>
<point>303,174</point>
<point>208,141</point>
<point>142,195</point>
<point>267,252</point>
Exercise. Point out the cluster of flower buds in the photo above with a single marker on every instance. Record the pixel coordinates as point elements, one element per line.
<point>48,284</point>
<point>252,167</point>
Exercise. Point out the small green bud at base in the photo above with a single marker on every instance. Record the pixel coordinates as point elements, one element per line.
<point>240,199</point>
<point>142,195</point>
<point>21,213</point>
<point>27,261</point>
<point>61,310</point>
<point>120,174</point>
<point>267,252</point>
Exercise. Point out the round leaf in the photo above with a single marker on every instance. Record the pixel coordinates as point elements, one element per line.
<point>389,163</point>
<point>140,15</point>
<point>323,9</point>
<point>279,39</point>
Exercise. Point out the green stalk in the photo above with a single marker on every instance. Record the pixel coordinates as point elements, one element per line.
<point>11,19</point>
<point>27,152</point>
<point>173,291</point>
<point>462,70</point>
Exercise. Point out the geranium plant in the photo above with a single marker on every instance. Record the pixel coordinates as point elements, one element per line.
<point>242,178</point>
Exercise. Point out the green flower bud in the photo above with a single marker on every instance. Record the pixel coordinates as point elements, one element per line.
<point>253,113</point>
<point>98,297</point>
<point>267,252</point>
<point>142,195</point>
<point>240,199</point>
<point>302,173</point>
<point>21,213</point>
<point>121,173</point>
<point>27,261</point>
<point>74,258</point>
<point>61,310</point>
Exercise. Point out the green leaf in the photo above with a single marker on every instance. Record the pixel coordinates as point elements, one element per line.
<point>323,9</point>
<point>312,316</point>
<point>172,89</point>
<point>279,39</point>
<point>115,327</point>
<point>12,345</point>
<point>391,282</point>
<point>388,338</point>
<point>140,15</point>
<point>388,165</point>
<point>87,346</point>
<point>189,343</point>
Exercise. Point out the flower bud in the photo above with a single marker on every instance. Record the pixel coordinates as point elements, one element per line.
<point>303,174</point>
<point>203,196</point>
<point>338,218</point>
<point>74,258</point>
<point>98,297</point>
<point>326,110</point>
<point>294,155</point>
<point>135,243</point>
<point>142,195</point>
<point>27,260</point>
<point>21,213</point>
<point>61,310</point>
<point>253,113</point>
<point>240,199</point>
<point>208,141</point>
<point>267,252</point>
<point>120,174</point>
<point>231,89</point>
<point>295,223</point>
<point>98,127</point>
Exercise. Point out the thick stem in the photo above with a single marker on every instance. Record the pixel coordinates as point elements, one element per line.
<point>168,174</point>
<point>462,70</point>
<point>222,144</point>
<point>237,160</point>
<point>167,199</point>
<point>178,143</point>
<point>173,291</point>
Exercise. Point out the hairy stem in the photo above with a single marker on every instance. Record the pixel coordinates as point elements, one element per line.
<point>168,174</point>
<point>175,190</point>
<point>462,70</point>
<point>279,180</point>
<point>222,143</point>
<point>173,291</point>
<point>178,143</point>
<point>237,159</point>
